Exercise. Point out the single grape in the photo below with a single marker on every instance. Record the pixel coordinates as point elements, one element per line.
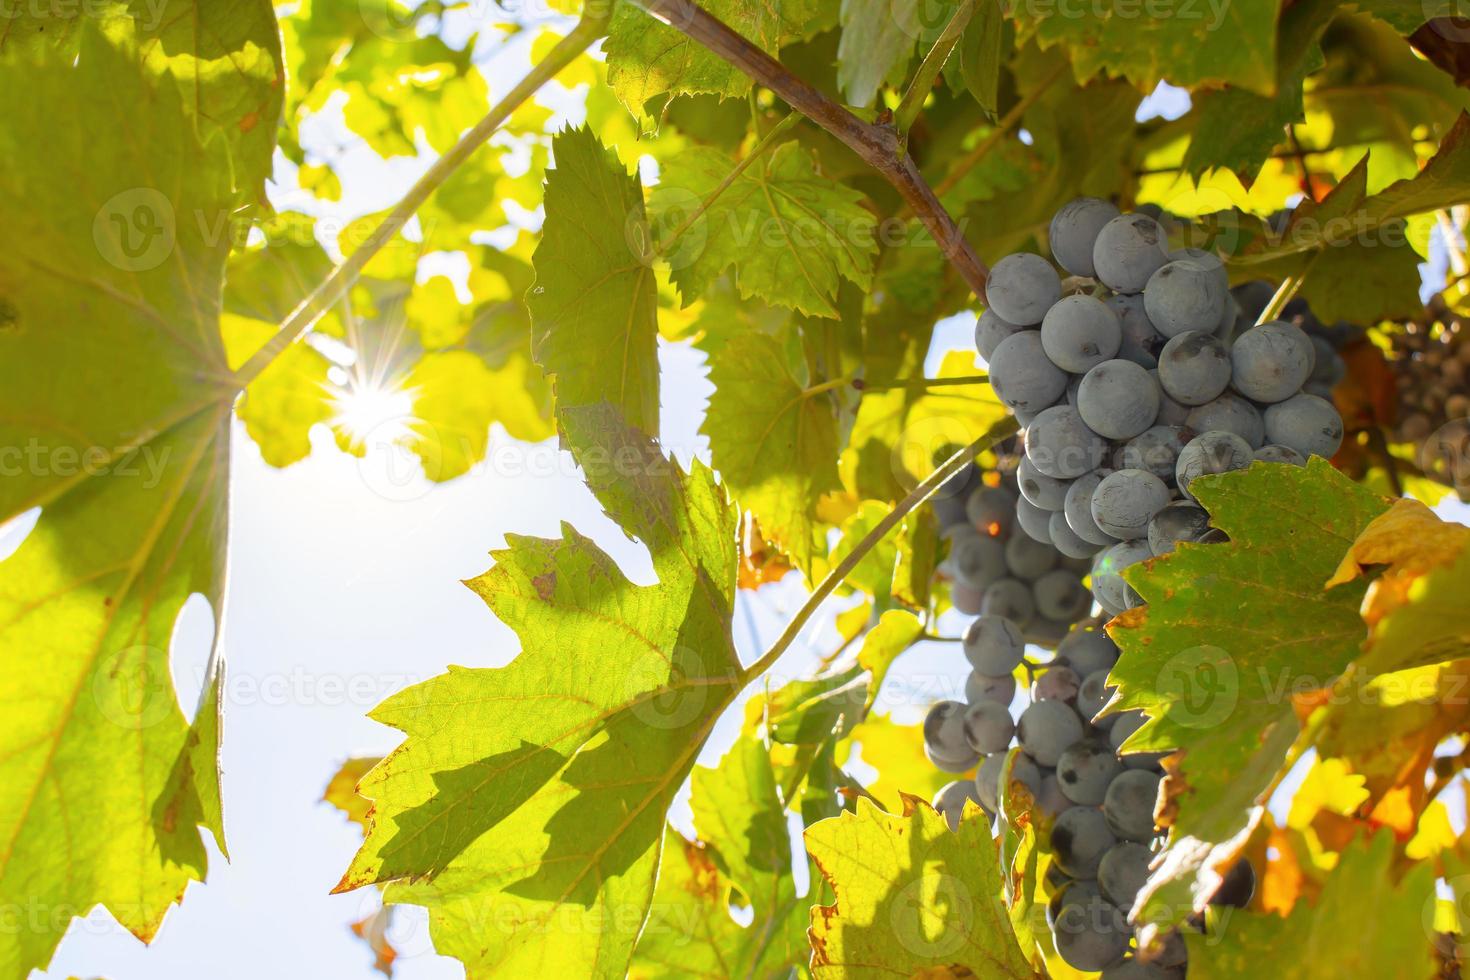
<point>1129,805</point>
<point>1180,521</point>
<point>1170,411</point>
<point>1061,445</point>
<point>1123,872</point>
<point>1022,376</point>
<point>1229,413</point>
<point>1046,492</point>
<point>988,727</point>
<point>990,330</point>
<point>1093,695</point>
<point>1211,452</point>
<point>1128,250</point>
<point>1080,332</point>
<point>1237,887</point>
<point>1194,368</point>
<point>1060,595</point>
<point>991,510</point>
<point>1087,651</point>
<point>976,559</point>
<point>1033,521</point>
<point>1328,367</point>
<point>1207,260</point>
<point>966,599</point>
<point>1047,729</point>
<point>1165,951</point>
<point>944,737</point>
<point>1253,296</point>
<point>1027,559</point>
<point>1125,501</point>
<point>1046,632</point>
<point>1271,362</point>
<point>1091,936</point>
<point>951,799</point>
<point>1155,449</point>
<point>1086,769</point>
<point>984,687</point>
<point>993,646</point>
<point>1077,508</point>
<point>1225,331</point>
<point>1141,342</point>
<point>1183,296</point>
<point>1074,231</point>
<point>1112,591</point>
<point>1010,598</point>
<point>1057,683</point>
<point>1117,399</point>
<point>1051,800</point>
<point>1280,454</point>
<point>1129,722</point>
<point>1080,838</point>
<point>1067,541</point>
<point>987,779</point>
<point>949,511</point>
<point>1022,287</point>
<point>1306,423</point>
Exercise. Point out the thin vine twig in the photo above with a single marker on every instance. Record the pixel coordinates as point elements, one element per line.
<point>1001,430</point>
<point>878,144</point>
<point>591,26</point>
<point>933,63</point>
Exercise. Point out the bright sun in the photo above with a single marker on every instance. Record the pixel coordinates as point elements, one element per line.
<point>373,414</point>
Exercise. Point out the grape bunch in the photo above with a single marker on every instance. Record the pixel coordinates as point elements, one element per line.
<point>1131,378</point>
<point>1429,358</point>
<point>997,570</point>
<point>1098,803</point>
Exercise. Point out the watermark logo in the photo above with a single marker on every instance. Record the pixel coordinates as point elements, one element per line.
<point>135,230</point>
<point>132,688</point>
<point>932,916</point>
<point>1201,685</point>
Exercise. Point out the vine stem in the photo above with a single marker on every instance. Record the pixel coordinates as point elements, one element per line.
<point>933,63</point>
<point>1286,291</point>
<point>1000,430</point>
<point>589,28</point>
<point>878,144</point>
<point>756,152</point>
<point>969,379</point>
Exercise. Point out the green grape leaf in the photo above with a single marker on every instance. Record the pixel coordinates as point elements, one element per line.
<point>1362,925</point>
<point>290,396</point>
<point>912,895</point>
<point>266,281</point>
<point>897,752</point>
<point>594,307</point>
<point>225,61</point>
<point>791,234</point>
<point>896,631</point>
<point>1237,128</point>
<point>774,442</point>
<point>689,932</point>
<point>982,53</point>
<point>646,57</point>
<point>1230,633</point>
<point>878,38</point>
<point>809,711</point>
<point>1189,44</point>
<point>124,446</point>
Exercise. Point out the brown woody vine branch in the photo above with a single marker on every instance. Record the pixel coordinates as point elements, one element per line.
<point>877,143</point>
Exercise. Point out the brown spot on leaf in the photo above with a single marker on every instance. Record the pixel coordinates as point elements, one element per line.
<point>249,121</point>
<point>545,585</point>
